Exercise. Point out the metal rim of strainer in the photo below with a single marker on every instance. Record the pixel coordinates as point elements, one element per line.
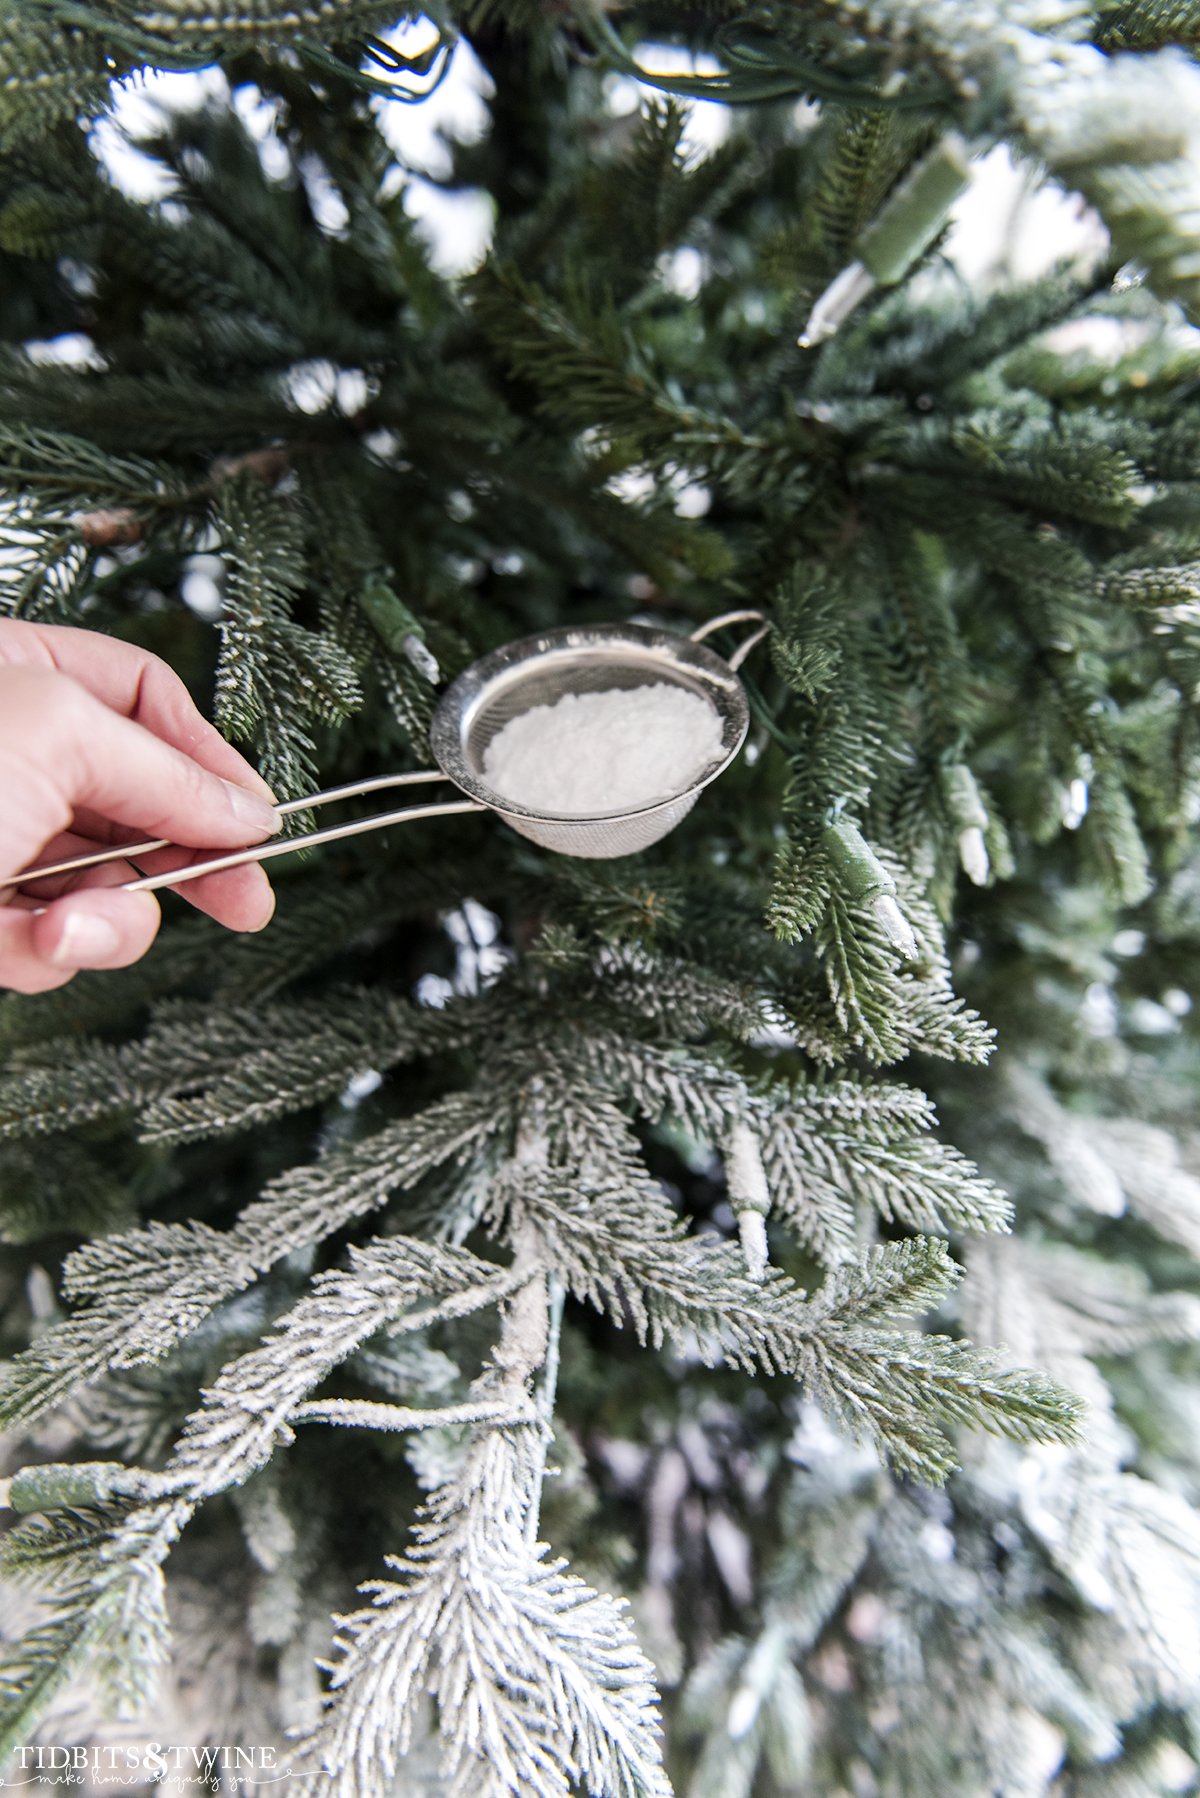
<point>665,652</point>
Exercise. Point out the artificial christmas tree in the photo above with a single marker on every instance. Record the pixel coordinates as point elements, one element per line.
<point>493,1198</point>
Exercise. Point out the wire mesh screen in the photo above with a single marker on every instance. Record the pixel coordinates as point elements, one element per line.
<point>591,659</point>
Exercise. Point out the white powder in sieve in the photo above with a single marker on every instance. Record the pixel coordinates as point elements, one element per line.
<point>591,753</point>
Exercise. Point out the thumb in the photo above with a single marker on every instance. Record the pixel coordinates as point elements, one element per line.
<point>97,927</point>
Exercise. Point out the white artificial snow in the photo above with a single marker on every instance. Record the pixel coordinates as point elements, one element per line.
<point>592,753</point>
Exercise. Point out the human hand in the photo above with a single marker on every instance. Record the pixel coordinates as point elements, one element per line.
<point>100,744</point>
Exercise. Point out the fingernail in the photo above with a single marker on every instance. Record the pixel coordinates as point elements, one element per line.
<point>254,813</point>
<point>86,939</point>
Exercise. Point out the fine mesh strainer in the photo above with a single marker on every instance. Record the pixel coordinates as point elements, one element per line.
<point>591,658</point>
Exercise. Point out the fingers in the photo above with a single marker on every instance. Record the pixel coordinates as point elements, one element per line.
<point>63,748</point>
<point>100,927</point>
<point>240,898</point>
<point>105,736</point>
<point>135,684</point>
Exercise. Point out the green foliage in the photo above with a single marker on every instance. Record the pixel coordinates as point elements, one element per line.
<point>108,1609</point>
<point>1147,24</point>
<point>271,671</point>
<point>561,1693</point>
<point>479,1155</point>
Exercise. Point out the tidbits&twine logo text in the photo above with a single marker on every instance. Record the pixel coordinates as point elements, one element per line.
<point>96,1767</point>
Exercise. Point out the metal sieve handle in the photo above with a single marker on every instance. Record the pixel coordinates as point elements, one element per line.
<point>259,852</point>
<point>743,649</point>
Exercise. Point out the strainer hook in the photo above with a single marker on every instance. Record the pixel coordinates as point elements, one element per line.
<point>712,625</point>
